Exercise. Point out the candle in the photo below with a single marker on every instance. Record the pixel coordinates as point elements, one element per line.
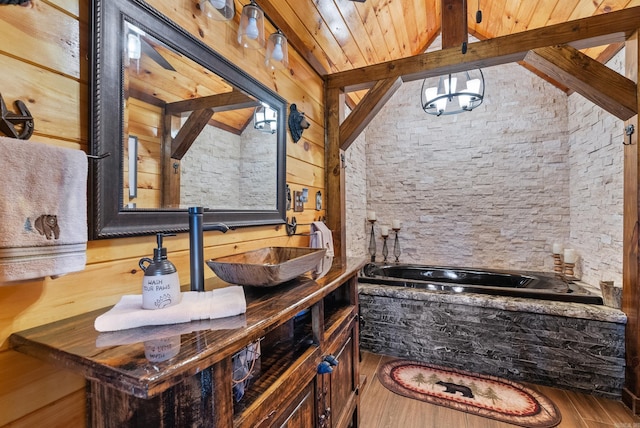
<point>395,224</point>
<point>371,215</point>
<point>569,255</point>
<point>557,248</point>
<point>384,230</point>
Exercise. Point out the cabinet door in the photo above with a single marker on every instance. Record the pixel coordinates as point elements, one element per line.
<point>301,412</point>
<point>336,393</point>
<point>344,383</point>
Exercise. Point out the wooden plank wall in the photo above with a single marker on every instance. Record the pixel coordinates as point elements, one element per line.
<point>44,57</point>
<point>145,122</point>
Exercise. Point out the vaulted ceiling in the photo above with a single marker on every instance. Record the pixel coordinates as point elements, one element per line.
<point>339,35</point>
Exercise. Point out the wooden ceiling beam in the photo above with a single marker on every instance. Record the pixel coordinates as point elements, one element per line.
<point>454,28</point>
<point>609,52</point>
<point>610,27</point>
<point>366,110</point>
<point>233,100</point>
<point>564,88</point>
<point>593,80</point>
<point>189,132</point>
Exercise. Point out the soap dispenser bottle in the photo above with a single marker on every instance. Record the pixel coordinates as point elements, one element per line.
<point>161,284</point>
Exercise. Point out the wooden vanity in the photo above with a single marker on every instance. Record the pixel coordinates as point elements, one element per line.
<point>183,374</point>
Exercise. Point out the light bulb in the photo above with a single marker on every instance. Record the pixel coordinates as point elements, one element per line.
<point>277,52</point>
<point>431,93</point>
<point>463,100</point>
<point>218,4</point>
<point>473,86</point>
<point>252,29</point>
<point>218,10</point>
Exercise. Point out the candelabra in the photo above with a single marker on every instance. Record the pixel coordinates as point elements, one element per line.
<point>385,249</point>
<point>372,242</point>
<point>396,245</point>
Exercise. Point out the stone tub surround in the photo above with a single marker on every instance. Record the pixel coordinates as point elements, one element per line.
<point>566,345</point>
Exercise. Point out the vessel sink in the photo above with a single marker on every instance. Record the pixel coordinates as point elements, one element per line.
<point>266,267</point>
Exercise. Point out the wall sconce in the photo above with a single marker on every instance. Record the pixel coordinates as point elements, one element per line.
<point>277,55</point>
<point>133,46</point>
<point>251,30</point>
<point>133,43</point>
<point>219,10</point>
<point>265,119</point>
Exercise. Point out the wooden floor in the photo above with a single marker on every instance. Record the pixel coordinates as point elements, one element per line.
<point>381,408</point>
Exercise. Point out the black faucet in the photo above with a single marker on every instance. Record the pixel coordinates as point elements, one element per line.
<point>196,245</point>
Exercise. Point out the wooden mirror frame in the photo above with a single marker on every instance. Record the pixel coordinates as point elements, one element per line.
<point>107,218</point>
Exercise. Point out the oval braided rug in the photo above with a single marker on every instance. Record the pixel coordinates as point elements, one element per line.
<point>482,395</point>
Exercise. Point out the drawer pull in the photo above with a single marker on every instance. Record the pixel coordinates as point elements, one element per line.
<point>331,360</point>
<point>324,367</point>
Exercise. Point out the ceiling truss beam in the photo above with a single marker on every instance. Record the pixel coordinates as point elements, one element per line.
<point>592,31</point>
<point>366,110</point>
<point>593,80</point>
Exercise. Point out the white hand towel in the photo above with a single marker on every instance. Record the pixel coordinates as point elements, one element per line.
<point>43,207</point>
<point>128,312</point>
<point>321,237</point>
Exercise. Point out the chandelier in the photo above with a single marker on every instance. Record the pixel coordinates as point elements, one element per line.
<point>454,93</point>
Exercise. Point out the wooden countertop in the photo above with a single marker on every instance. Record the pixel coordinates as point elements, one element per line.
<point>118,358</point>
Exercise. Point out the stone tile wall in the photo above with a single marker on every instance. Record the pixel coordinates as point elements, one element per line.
<point>495,187</point>
<point>356,195</point>
<point>596,166</point>
<point>489,188</point>
<point>218,156</point>
<point>214,156</point>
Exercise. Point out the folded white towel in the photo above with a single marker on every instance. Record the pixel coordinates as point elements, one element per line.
<point>219,303</point>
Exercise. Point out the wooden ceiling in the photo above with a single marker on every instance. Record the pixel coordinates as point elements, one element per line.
<point>339,35</point>
<point>336,36</point>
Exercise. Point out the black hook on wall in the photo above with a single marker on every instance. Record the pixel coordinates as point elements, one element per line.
<point>291,227</point>
<point>628,131</point>
<point>9,120</point>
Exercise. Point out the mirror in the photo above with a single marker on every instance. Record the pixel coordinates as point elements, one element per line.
<point>182,126</point>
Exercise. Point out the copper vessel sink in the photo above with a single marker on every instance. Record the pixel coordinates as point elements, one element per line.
<point>266,267</point>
